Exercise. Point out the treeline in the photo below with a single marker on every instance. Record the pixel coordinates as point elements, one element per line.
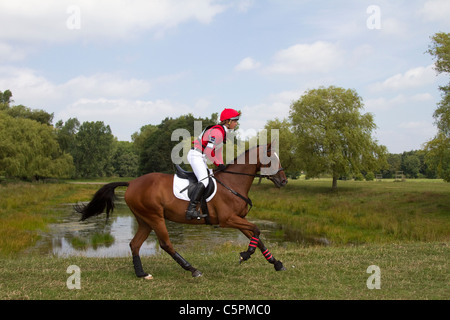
<point>32,148</point>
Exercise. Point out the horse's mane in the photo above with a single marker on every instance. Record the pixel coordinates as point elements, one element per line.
<point>243,154</point>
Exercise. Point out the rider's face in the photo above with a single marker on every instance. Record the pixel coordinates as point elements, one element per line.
<point>232,124</point>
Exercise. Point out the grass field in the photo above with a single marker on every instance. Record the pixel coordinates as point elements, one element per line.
<point>407,271</point>
<point>359,211</point>
<point>403,228</point>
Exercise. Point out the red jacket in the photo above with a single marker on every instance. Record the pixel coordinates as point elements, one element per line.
<point>210,143</point>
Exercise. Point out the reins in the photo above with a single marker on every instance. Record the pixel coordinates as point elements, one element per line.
<point>257,175</point>
<point>247,200</point>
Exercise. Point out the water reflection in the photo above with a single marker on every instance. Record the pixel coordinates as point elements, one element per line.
<point>101,237</point>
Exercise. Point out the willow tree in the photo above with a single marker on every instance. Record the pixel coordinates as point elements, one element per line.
<point>333,136</point>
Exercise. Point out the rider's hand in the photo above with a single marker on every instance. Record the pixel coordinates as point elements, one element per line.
<point>221,167</point>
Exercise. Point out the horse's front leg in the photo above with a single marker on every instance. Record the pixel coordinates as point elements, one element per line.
<point>252,232</point>
<point>256,242</point>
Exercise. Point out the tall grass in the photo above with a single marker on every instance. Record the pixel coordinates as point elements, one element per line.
<point>358,212</point>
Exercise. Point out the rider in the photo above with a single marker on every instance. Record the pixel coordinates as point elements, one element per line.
<point>208,146</point>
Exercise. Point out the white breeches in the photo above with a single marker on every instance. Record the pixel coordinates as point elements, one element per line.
<point>197,160</point>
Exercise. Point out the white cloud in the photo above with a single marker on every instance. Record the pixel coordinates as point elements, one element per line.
<point>124,116</point>
<point>46,20</point>
<point>35,90</point>
<point>394,27</point>
<point>97,97</point>
<point>275,105</point>
<point>383,104</point>
<point>244,5</point>
<point>319,56</point>
<point>436,10</point>
<point>412,78</point>
<point>9,54</point>
<point>106,85</point>
<point>247,64</point>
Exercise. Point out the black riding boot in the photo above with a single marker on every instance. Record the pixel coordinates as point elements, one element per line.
<point>191,213</point>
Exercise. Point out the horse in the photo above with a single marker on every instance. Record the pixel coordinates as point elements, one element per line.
<point>151,199</point>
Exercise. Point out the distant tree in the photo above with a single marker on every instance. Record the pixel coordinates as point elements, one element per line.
<point>38,115</point>
<point>411,165</point>
<point>155,146</point>
<point>333,136</point>
<point>125,159</point>
<point>66,134</point>
<point>438,149</point>
<point>94,143</point>
<point>5,99</point>
<point>287,144</point>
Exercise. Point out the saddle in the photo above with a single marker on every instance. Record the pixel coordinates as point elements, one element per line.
<point>183,184</point>
<point>185,181</point>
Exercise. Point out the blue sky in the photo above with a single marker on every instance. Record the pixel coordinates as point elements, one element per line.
<point>131,63</point>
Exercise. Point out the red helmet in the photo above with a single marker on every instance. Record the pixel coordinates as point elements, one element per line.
<point>229,114</point>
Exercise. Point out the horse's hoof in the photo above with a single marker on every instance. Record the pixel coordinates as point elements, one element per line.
<point>244,256</point>
<point>197,274</point>
<point>279,266</point>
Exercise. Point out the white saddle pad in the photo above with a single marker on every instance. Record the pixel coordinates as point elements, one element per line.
<point>180,184</point>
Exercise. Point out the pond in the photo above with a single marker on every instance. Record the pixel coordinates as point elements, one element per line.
<point>102,237</point>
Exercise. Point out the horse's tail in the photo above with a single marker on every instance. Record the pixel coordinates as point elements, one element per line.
<point>103,198</point>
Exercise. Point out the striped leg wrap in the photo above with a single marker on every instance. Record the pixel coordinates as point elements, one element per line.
<point>268,255</point>
<point>253,244</point>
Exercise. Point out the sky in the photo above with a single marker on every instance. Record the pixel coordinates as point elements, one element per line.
<point>130,63</point>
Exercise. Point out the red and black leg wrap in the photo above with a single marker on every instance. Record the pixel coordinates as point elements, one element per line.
<point>250,250</point>
<point>266,253</point>
<point>253,244</point>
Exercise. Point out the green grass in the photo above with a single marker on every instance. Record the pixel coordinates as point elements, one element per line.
<point>27,208</point>
<point>408,271</point>
<point>358,212</point>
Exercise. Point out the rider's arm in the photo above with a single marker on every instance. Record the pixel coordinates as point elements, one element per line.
<point>213,149</point>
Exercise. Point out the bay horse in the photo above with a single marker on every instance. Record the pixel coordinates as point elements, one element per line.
<point>151,199</point>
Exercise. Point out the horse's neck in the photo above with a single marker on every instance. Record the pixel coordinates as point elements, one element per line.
<point>240,182</point>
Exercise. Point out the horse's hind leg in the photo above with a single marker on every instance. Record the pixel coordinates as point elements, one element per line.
<point>135,245</point>
<point>166,245</point>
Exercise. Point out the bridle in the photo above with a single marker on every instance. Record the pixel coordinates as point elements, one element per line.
<point>257,175</point>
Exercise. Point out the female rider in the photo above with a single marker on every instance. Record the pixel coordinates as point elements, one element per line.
<point>208,146</point>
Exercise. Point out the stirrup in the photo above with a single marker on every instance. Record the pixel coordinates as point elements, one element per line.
<point>191,213</point>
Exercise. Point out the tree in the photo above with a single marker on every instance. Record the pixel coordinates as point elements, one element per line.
<point>29,150</point>
<point>94,142</point>
<point>332,136</point>
<point>21,111</point>
<point>125,159</point>
<point>286,146</point>
<point>155,145</point>
<point>411,165</point>
<point>5,99</point>
<point>438,154</point>
<point>66,134</point>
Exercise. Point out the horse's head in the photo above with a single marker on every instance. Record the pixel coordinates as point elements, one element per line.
<point>271,165</point>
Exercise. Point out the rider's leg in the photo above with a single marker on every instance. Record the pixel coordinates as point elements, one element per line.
<point>198,164</point>
<point>191,212</point>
